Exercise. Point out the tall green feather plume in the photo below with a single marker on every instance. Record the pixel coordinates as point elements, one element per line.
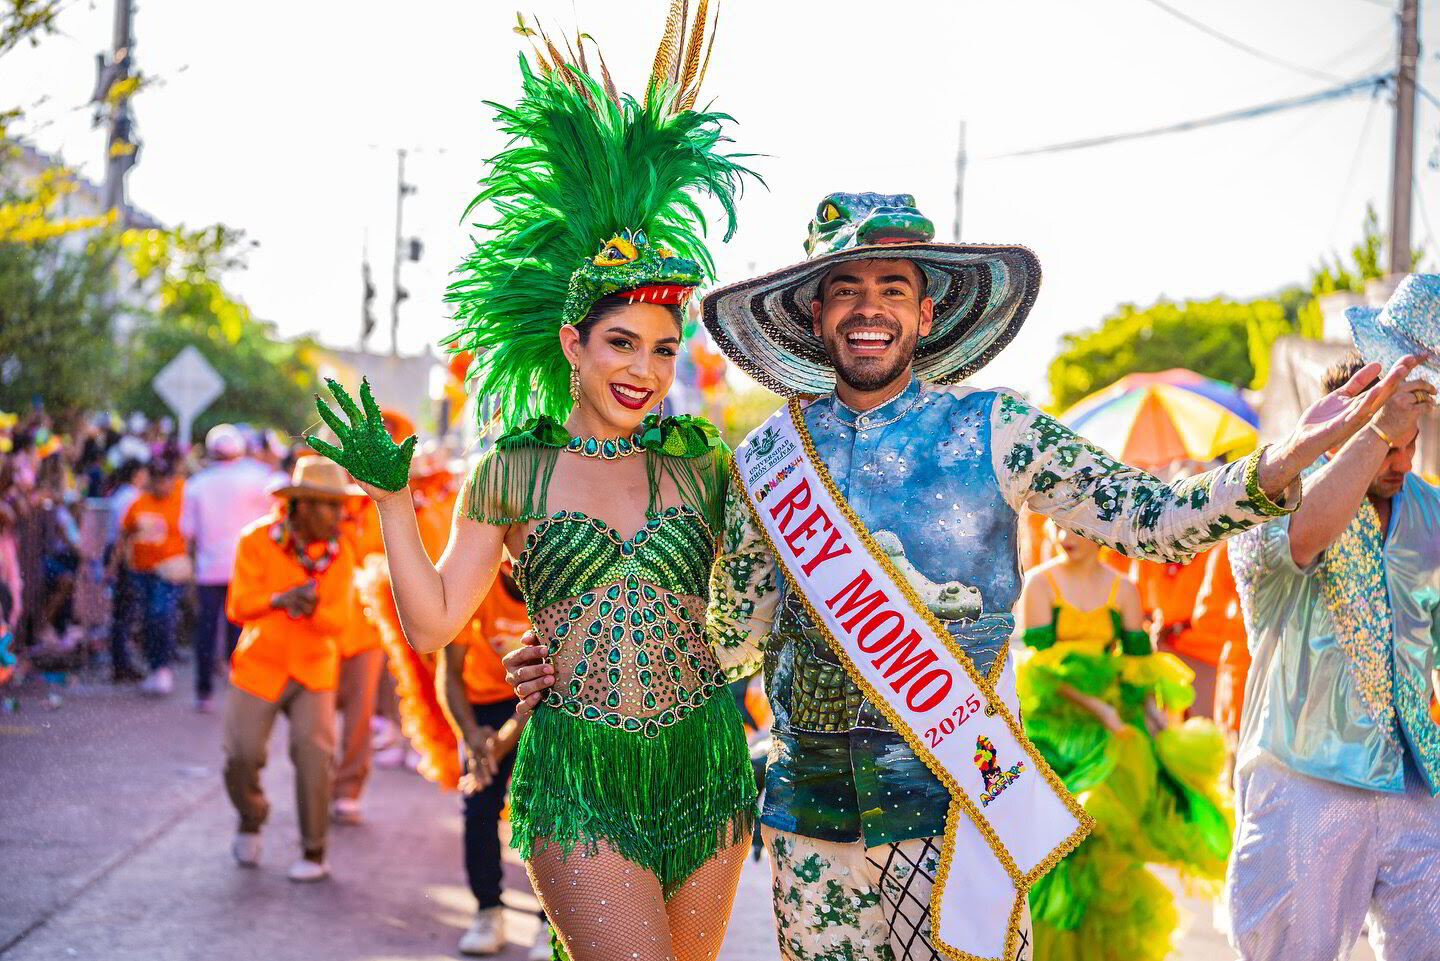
<point>581,166</point>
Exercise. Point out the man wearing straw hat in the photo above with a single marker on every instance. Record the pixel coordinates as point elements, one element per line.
<point>292,592</point>
<point>870,564</point>
<point>1338,773</point>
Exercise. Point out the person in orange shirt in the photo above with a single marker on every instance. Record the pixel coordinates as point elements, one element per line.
<point>293,593</point>
<point>481,708</point>
<point>1218,615</point>
<point>157,555</point>
<point>1168,593</point>
<point>362,662</point>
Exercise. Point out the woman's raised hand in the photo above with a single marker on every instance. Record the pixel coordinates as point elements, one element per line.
<point>366,449</point>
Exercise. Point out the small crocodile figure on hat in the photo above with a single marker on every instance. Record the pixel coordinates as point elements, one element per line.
<point>844,221</point>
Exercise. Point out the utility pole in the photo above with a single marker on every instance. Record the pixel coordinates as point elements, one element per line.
<point>402,190</point>
<point>122,149</point>
<point>1403,171</point>
<point>960,161</point>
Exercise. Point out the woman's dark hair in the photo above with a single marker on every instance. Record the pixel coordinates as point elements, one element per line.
<point>614,303</point>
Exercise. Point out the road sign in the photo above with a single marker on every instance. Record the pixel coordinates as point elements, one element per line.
<point>188,385</point>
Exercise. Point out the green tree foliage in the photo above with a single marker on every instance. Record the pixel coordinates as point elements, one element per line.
<point>1222,338</point>
<point>1209,337</point>
<point>268,381</point>
<point>58,318</point>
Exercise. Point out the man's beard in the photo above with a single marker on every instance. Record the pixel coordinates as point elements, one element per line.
<point>870,373</point>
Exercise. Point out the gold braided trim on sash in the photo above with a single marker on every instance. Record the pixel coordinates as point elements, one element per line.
<point>960,802</point>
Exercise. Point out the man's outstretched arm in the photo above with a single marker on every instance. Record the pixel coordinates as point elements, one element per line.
<point>1043,465</point>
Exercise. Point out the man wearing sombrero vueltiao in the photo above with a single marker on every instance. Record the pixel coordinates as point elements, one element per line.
<point>868,338</point>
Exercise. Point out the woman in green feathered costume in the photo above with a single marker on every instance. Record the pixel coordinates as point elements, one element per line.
<point>1094,697</point>
<point>632,798</point>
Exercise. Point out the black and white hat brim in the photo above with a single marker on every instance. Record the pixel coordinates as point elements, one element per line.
<point>982,294</point>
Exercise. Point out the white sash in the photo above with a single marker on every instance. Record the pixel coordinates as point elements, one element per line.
<point>1010,819</point>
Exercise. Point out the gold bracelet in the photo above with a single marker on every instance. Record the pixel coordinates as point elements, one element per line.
<point>1381,434</point>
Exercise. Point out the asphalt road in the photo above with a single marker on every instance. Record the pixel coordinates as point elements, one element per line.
<point>114,846</point>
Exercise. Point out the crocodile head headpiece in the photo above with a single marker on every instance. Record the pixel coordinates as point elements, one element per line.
<point>628,263</point>
<point>845,221</point>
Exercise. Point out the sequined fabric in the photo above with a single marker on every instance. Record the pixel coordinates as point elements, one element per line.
<point>1409,323</point>
<point>938,474</point>
<point>1342,652</point>
<point>623,617</point>
<point>1313,859</point>
<point>1352,585</point>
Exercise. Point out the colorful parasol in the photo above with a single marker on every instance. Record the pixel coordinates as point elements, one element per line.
<point>1151,419</point>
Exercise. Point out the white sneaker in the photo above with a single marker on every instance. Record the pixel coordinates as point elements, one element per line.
<point>246,848</point>
<point>486,934</point>
<point>303,871</point>
<point>346,810</point>
<point>541,950</point>
<point>159,682</point>
<point>389,757</point>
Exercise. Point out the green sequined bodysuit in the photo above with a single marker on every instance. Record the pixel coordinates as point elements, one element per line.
<point>632,747</point>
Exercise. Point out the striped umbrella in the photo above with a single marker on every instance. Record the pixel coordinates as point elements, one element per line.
<point>1151,419</point>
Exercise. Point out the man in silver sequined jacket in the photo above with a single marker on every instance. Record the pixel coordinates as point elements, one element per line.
<point>871,331</point>
<point>1339,764</point>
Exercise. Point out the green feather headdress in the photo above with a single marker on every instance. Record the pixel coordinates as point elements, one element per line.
<point>595,193</point>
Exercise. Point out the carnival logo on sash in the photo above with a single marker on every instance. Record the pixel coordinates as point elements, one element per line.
<point>996,778</point>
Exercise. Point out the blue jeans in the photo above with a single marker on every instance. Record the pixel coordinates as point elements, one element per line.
<point>159,600</point>
<point>124,609</point>
<point>211,598</point>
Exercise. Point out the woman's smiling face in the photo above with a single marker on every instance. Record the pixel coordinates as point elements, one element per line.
<point>626,364</point>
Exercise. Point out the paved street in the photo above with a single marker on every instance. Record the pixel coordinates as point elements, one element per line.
<point>114,833</point>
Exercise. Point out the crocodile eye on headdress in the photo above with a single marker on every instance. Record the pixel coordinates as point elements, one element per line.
<point>594,195</point>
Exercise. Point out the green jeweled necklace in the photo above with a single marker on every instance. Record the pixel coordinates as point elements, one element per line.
<point>608,449</point>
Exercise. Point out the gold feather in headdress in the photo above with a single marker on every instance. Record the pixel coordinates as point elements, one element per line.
<point>687,100</point>
<point>668,51</point>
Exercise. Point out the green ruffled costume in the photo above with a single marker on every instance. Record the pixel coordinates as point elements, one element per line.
<point>1155,799</point>
<point>638,745</point>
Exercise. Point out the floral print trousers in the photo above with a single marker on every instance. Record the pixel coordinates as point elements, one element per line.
<point>842,901</point>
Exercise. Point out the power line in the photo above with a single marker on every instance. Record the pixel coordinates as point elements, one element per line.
<point>1372,83</point>
<point>1242,45</point>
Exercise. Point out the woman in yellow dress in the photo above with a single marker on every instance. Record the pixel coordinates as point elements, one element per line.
<point>1094,698</point>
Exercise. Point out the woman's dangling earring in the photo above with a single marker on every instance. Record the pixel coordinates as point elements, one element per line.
<point>575,385</point>
<point>659,410</point>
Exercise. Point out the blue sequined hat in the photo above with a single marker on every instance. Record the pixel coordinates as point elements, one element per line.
<point>982,294</point>
<point>1409,323</point>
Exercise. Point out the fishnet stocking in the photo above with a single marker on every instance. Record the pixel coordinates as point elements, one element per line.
<point>606,908</point>
<point>603,907</point>
<point>699,910</point>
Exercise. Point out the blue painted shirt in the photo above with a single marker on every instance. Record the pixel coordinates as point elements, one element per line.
<point>938,475</point>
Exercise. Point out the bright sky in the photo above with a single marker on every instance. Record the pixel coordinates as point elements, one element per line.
<point>282,119</point>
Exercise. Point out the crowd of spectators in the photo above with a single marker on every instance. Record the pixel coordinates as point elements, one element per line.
<point>116,538</point>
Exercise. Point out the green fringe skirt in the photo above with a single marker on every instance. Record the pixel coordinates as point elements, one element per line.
<point>667,803</point>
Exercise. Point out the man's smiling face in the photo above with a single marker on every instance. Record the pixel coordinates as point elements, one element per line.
<point>870,314</point>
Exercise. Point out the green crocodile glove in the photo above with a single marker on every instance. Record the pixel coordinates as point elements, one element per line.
<point>366,449</point>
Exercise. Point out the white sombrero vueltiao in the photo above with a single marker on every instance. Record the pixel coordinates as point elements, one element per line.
<point>1409,323</point>
<point>982,294</point>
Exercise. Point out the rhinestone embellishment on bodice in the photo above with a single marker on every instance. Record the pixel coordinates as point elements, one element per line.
<point>623,619</point>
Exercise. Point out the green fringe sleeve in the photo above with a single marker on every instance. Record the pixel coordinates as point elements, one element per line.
<point>508,485</point>
<point>689,451</point>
